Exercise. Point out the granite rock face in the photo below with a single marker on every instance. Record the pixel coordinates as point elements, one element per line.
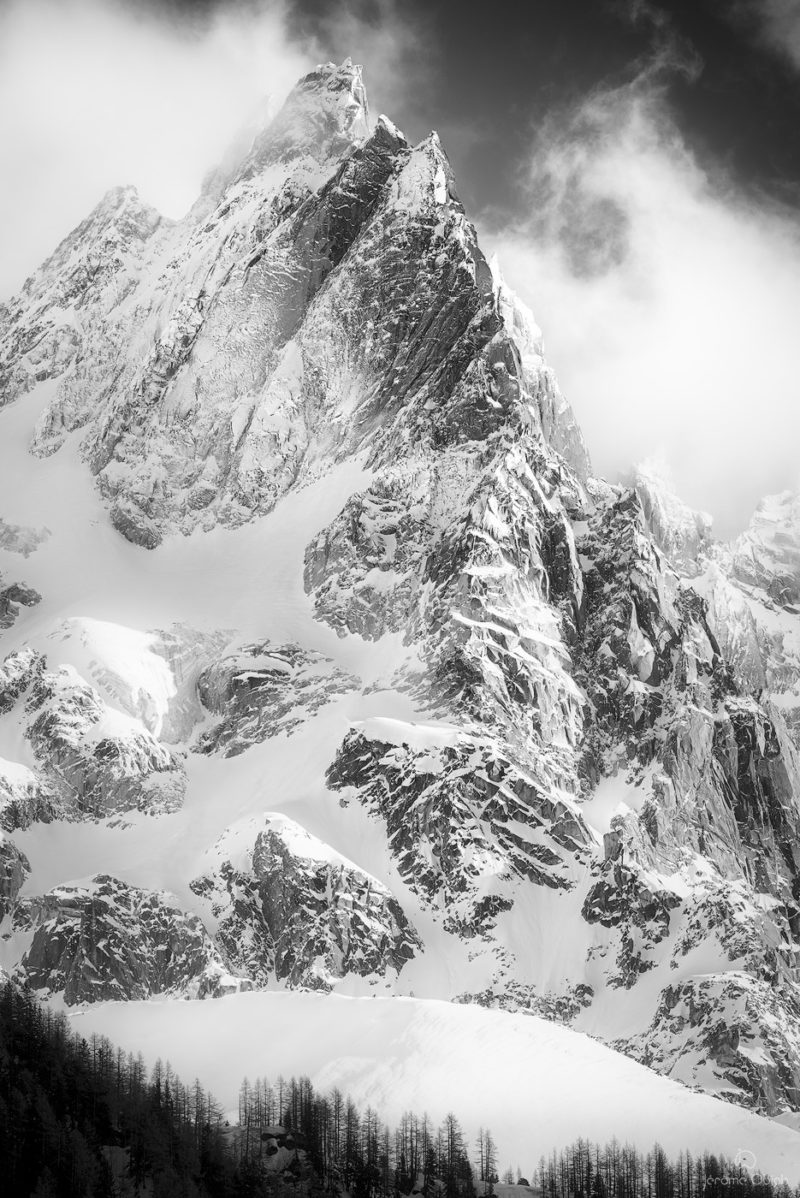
<point>754,586</point>
<point>88,759</point>
<point>90,274</point>
<point>25,797</point>
<point>17,672</point>
<point>464,824</point>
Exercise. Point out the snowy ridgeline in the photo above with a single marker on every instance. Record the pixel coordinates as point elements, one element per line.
<point>327,665</point>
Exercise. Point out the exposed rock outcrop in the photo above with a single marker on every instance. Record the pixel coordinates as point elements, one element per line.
<point>12,598</point>
<point>13,869</point>
<point>98,760</point>
<point>291,910</point>
<point>105,940</point>
<point>262,690</point>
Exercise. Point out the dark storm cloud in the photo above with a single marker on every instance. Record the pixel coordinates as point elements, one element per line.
<point>776,21</point>
<point>741,110</point>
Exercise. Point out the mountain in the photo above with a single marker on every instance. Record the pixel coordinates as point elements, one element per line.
<point>328,663</point>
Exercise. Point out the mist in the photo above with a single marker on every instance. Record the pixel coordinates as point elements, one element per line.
<point>668,302</point>
<point>94,95</point>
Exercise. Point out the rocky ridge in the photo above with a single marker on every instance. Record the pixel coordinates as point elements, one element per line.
<point>104,940</point>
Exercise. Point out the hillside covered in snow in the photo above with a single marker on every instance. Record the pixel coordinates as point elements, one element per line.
<point>327,665</point>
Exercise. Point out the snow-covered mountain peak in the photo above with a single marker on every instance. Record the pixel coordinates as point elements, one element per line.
<point>118,222</point>
<point>679,531</point>
<point>416,702</point>
<point>324,114</point>
<point>119,203</point>
<point>425,181</point>
<point>91,271</point>
<point>388,126</point>
<point>767,554</point>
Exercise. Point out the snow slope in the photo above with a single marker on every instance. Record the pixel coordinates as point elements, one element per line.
<point>296,521</point>
<point>536,1084</point>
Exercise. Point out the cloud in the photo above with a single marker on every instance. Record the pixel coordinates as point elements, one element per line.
<point>395,42</point>
<point>669,52</point>
<point>780,25</point>
<point>97,93</point>
<point>669,303</point>
<point>94,94</point>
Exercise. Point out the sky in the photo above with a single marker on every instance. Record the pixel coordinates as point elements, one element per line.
<point>635,164</point>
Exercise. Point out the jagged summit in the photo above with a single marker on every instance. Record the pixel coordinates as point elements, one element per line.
<point>315,231</point>
<point>326,633</point>
<point>89,273</point>
<point>677,529</point>
<point>767,554</point>
<point>323,115</point>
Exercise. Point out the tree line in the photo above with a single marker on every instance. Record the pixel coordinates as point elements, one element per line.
<point>614,1170</point>
<point>354,1151</point>
<point>81,1119</point>
<point>67,1103</point>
